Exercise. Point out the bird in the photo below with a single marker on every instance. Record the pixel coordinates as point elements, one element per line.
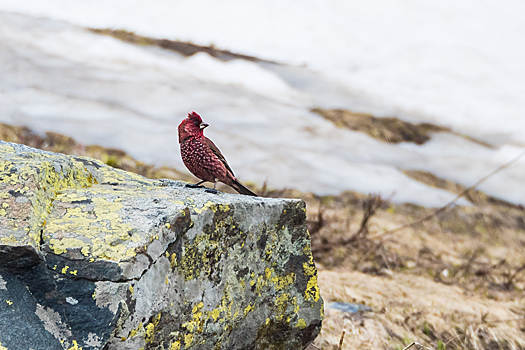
<point>202,158</point>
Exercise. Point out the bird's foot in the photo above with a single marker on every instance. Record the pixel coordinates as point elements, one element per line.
<point>211,190</point>
<point>193,186</point>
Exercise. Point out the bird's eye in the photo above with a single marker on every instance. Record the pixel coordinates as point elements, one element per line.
<point>196,123</point>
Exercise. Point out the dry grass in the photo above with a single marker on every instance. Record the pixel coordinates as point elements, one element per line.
<point>453,282</point>
<point>476,197</point>
<point>391,130</point>
<point>415,308</point>
<point>181,47</point>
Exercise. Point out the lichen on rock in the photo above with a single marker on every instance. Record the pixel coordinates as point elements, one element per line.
<point>112,260</point>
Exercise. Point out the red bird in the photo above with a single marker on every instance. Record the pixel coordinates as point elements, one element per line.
<point>203,158</point>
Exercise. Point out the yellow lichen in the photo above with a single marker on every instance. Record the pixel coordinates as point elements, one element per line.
<point>8,240</point>
<point>75,346</point>
<point>150,328</point>
<point>59,246</point>
<point>215,314</point>
<point>301,324</point>
<point>104,233</point>
<point>248,309</point>
<point>267,273</point>
<point>134,332</point>
<point>282,282</point>
<point>281,303</point>
<point>296,307</point>
<point>175,345</point>
<point>312,290</point>
<point>195,322</point>
<point>309,268</point>
<point>188,339</point>
<point>173,260</point>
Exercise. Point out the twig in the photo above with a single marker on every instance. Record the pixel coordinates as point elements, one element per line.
<point>370,207</point>
<point>341,340</point>
<point>416,344</point>
<point>451,340</point>
<point>511,277</point>
<point>318,223</point>
<point>384,258</point>
<point>501,321</point>
<point>449,204</point>
<point>264,189</point>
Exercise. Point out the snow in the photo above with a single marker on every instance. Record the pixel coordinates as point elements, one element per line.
<point>454,64</point>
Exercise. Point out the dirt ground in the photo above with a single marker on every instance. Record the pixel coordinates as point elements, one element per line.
<point>454,281</point>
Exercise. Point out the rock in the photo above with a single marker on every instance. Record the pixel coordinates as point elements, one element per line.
<point>348,307</point>
<point>92,257</point>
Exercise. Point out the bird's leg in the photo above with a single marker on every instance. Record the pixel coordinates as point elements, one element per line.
<point>197,185</point>
<point>214,191</point>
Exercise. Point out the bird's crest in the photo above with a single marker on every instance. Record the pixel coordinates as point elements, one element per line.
<point>194,117</point>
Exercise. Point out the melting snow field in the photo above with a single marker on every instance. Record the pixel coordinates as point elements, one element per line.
<point>456,65</point>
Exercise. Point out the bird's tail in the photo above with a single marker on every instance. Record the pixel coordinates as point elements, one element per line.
<point>239,187</point>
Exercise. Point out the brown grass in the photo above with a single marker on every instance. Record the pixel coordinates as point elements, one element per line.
<point>181,47</point>
<point>391,130</point>
<point>457,279</point>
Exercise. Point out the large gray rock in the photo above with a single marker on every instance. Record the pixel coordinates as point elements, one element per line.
<point>93,257</point>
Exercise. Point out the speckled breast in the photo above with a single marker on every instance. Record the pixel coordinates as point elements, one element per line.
<point>201,161</point>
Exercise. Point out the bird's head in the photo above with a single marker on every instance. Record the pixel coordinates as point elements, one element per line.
<point>192,126</point>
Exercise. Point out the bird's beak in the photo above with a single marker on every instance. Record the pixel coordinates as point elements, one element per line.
<point>204,125</point>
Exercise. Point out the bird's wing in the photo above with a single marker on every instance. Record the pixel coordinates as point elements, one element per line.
<point>218,153</point>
